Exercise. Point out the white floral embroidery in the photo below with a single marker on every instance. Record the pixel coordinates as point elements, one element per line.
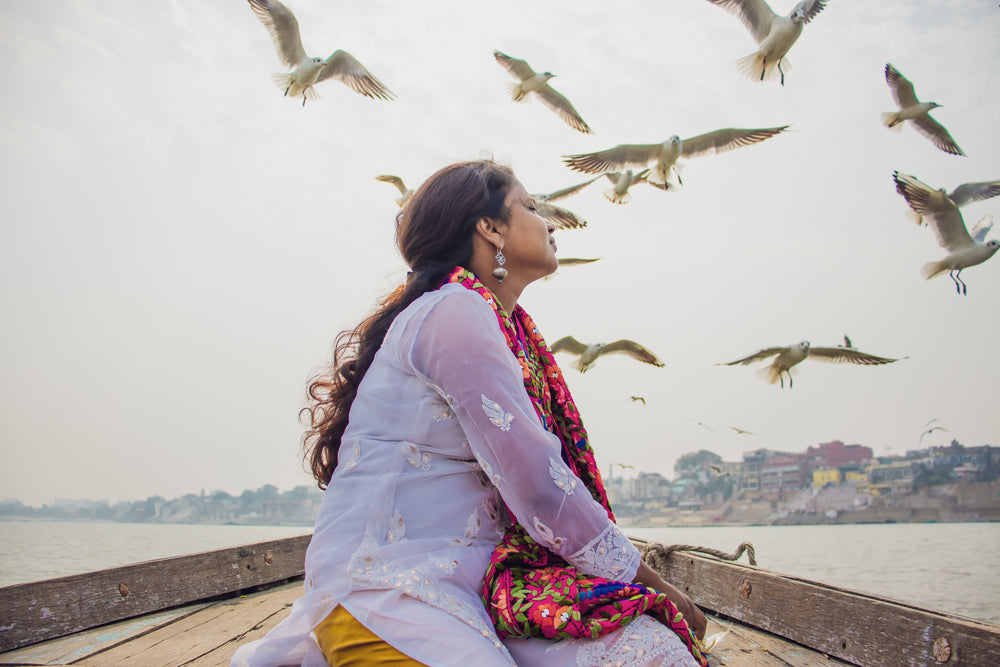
<point>609,555</point>
<point>488,469</point>
<point>352,457</point>
<point>498,416</point>
<point>416,458</point>
<point>443,416</point>
<point>547,535</point>
<point>562,476</point>
<point>397,527</point>
<point>644,641</point>
<point>473,525</point>
<point>368,569</point>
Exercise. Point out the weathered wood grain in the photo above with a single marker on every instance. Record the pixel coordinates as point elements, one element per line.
<point>31,613</point>
<point>208,637</point>
<point>856,627</point>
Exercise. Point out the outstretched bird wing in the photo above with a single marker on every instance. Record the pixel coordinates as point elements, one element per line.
<point>395,180</point>
<point>556,101</point>
<point>565,192</point>
<point>720,141</point>
<point>516,67</point>
<point>944,216</point>
<point>283,29</point>
<point>970,192</point>
<point>573,261</point>
<point>811,8</point>
<point>902,89</point>
<point>632,349</point>
<point>838,355</point>
<point>563,218</point>
<point>756,356</point>
<point>756,15</point>
<point>568,344</point>
<point>342,65</point>
<point>982,228</point>
<point>939,136</point>
<point>611,159</point>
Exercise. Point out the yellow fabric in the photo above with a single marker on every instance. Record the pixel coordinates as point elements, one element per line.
<point>347,643</point>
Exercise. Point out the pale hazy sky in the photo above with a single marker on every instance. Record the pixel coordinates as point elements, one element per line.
<point>180,245</point>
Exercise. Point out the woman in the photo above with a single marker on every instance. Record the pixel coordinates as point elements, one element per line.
<point>452,406</point>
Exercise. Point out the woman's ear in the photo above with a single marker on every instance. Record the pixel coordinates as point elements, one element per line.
<point>489,230</point>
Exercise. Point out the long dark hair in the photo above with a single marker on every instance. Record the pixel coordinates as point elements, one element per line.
<point>434,232</point>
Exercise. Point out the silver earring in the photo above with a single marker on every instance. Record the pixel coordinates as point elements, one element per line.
<point>500,273</point>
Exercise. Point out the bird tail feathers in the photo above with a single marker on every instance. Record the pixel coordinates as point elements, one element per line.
<point>753,67</point>
<point>931,269</point>
<point>618,197</point>
<point>287,84</point>
<point>772,373</point>
<point>516,93</point>
<point>891,120</point>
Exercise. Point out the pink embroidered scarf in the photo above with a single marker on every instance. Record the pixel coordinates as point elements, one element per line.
<point>528,590</point>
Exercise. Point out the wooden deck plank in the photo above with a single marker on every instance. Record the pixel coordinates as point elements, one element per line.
<point>31,613</point>
<point>65,650</point>
<point>206,638</point>
<point>856,627</point>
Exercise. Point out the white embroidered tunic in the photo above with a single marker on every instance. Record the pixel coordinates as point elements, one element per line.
<point>442,434</point>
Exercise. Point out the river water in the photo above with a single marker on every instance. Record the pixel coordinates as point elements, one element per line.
<point>947,566</point>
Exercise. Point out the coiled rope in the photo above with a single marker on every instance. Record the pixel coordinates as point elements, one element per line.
<point>655,554</point>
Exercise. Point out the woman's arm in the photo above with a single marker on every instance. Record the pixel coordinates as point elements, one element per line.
<point>696,620</point>
<point>458,350</point>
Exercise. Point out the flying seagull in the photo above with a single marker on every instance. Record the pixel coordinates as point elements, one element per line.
<point>636,399</point>
<point>703,424</point>
<point>912,109</point>
<point>964,249</point>
<point>284,31</point>
<point>666,154</point>
<point>960,196</point>
<point>931,430</point>
<point>774,34</point>
<point>588,354</point>
<point>405,192</point>
<point>741,431</point>
<point>563,218</point>
<point>533,82</point>
<point>785,359</point>
<point>623,181</point>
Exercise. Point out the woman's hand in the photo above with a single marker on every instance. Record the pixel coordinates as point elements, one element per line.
<point>694,617</point>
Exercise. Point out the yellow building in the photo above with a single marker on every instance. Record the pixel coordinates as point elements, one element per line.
<point>857,476</point>
<point>826,477</point>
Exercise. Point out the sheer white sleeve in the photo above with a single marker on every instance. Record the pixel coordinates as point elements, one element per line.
<point>458,349</point>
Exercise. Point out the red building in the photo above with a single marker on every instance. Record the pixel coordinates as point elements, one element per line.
<point>836,454</point>
<point>782,476</point>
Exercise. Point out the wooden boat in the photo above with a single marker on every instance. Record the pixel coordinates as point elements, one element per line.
<point>196,609</point>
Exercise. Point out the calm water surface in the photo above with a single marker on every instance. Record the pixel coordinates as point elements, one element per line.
<point>948,566</point>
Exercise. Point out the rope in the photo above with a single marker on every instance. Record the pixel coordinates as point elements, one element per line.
<point>655,554</point>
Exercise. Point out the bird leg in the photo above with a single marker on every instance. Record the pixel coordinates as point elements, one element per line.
<point>288,88</point>
<point>763,69</point>
<point>304,98</point>
<point>957,278</point>
<point>782,73</point>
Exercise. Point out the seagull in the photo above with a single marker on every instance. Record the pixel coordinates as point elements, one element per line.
<point>398,182</point>
<point>774,34</point>
<point>964,250</point>
<point>910,108</point>
<point>787,357</point>
<point>718,471</point>
<point>636,399</point>
<point>533,82</point>
<point>742,431</point>
<point>588,354</point>
<point>284,31</point>
<point>931,430</point>
<point>666,154</point>
<point>960,196</point>
<point>623,181</point>
<point>702,424</point>
<point>563,218</point>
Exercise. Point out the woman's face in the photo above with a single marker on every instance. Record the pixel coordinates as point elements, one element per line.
<point>528,244</point>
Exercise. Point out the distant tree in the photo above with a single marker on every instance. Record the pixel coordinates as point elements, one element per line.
<point>688,464</point>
